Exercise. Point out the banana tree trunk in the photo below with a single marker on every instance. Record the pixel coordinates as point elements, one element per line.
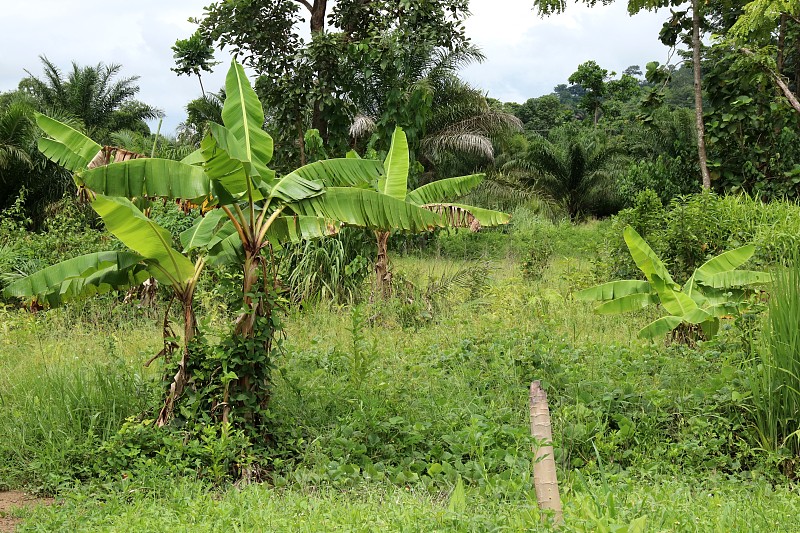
<point>544,465</point>
<point>383,276</point>
<point>181,377</point>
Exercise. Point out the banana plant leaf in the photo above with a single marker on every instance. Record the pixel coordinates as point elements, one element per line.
<point>737,278</point>
<point>659,328</point>
<point>68,147</point>
<point>298,228</point>
<point>697,316</point>
<point>80,277</point>
<point>645,258</point>
<point>676,303</point>
<point>230,179</point>
<point>148,178</point>
<point>710,327</point>
<point>624,304</point>
<point>243,115</point>
<point>195,158</point>
<point>396,164</point>
<point>203,230</point>
<point>442,190</point>
<point>293,187</point>
<point>144,237</point>
<point>454,214</point>
<point>614,289</point>
<point>369,209</point>
<point>347,172</point>
<point>724,262</point>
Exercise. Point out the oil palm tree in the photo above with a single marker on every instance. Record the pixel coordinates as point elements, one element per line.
<point>450,126</point>
<point>93,94</point>
<point>574,170</point>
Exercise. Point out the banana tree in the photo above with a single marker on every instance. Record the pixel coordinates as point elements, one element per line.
<point>715,290</point>
<point>392,184</point>
<point>249,208</point>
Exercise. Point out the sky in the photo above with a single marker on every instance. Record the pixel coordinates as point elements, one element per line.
<point>526,56</point>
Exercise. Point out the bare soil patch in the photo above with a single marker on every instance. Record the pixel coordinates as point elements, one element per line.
<point>12,499</point>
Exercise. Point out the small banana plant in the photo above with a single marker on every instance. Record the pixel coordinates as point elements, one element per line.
<point>392,184</point>
<point>715,290</point>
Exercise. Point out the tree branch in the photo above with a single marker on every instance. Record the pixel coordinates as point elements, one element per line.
<point>305,3</point>
<point>778,80</point>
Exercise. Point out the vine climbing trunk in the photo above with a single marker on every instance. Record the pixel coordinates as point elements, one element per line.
<point>698,96</point>
<point>383,276</point>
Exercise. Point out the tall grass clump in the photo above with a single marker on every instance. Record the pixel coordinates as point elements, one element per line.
<point>776,384</point>
<point>56,415</point>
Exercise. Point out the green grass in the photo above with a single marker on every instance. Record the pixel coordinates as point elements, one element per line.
<point>645,434</point>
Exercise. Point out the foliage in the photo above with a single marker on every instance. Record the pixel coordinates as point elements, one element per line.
<point>715,290</point>
<point>752,131</point>
<point>193,55</point>
<point>312,83</point>
<point>571,169</point>
<point>332,269</point>
<point>91,94</point>
<point>775,380</point>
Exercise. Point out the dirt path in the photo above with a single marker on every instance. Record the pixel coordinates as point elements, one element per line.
<point>13,500</point>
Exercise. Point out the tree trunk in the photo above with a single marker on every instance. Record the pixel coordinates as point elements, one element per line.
<point>781,43</point>
<point>698,96</point>
<point>181,376</point>
<point>202,89</point>
<point>318,15</point>
<point>544,466</point>
<point>318,120</point>
<point>383,277</point>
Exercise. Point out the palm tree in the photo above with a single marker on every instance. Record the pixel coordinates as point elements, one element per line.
<point>462,130</point>
<point>21,164</point>
<point>93,95</point>
<point>200,112</point>
<point>449,123</point>
<point>573,170</point>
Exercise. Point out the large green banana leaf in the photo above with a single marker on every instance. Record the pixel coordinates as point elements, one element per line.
<point>68,147</point>
<point>614,289</point>
<point>80,277</point>
<point>645,258</point>
<point>144,237</point>
<point>676,303</point>
<point>370,209</point>
<point>293,187</point>
<point>298,228</point>
<point>624,304</point>
<point>442,190</point>
<point>347,172</point>
<point>202,232</point>
<point>148,178</point>
<point>396,165</point>
<point>243,115</point>
<point>659,328</point>
<point>736,278</point>
<point>230,179</point>
<point>724,262</point>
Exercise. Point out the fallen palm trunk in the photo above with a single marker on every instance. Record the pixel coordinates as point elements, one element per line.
<point>544,465</point>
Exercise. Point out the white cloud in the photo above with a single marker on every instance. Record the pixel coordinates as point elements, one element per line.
<point>526,55</point>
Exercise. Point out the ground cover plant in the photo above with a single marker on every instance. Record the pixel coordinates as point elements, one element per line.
<point>378,418</point>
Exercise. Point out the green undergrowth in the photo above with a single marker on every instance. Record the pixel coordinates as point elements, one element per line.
<point>381,411</point>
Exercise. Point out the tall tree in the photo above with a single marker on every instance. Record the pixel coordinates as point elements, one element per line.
<point>593,80</point>
<point>690,19</point>
<point>193,55</point>
<point>310,83</point>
